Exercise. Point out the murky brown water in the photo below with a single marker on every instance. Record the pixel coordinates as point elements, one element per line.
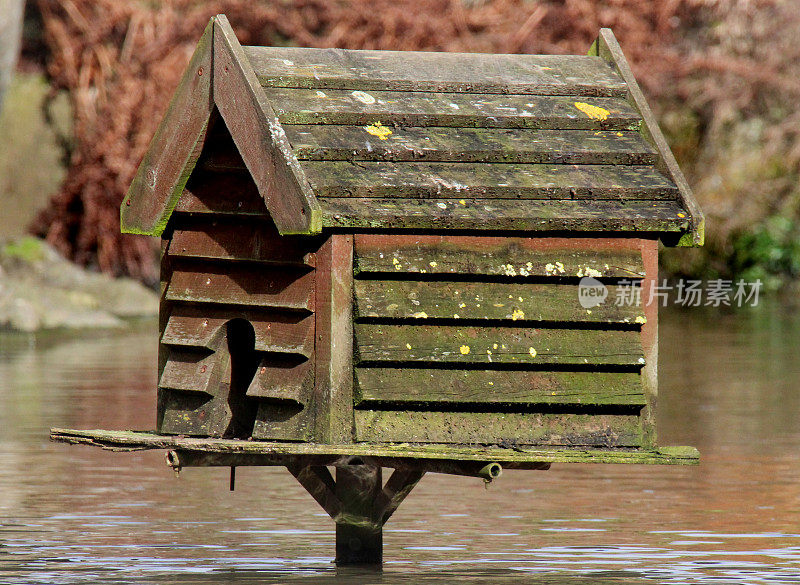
<point>730,384</point>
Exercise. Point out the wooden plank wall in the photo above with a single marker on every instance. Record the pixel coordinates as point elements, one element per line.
<point>238,302</point>
<point>484,340</point>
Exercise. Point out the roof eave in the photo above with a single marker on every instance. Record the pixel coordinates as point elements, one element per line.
<point>220,75</point>
<point>175,148</point>
<point>607,47</point>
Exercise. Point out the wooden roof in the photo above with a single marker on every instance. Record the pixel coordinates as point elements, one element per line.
<point>412,140</point>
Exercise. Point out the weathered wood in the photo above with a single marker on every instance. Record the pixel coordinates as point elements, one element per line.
<point>189,371</point>
<point>359,534</point>
<point>173,152</point>
<point>225,411</point>
<point>256,241</point>
<point>504,215</point>
<point>241,285</point>
<point>607,48</point>
<point>193,414</point>
<point>463,181</point>
<point>390,426</point>
<point>434,72</point>
<point>649,338</point>
<point>318,482</point>
<point>509,458</point>
<point>520,303</point>
<point>195,326</point>
<point>282,422</point>
<point>283,381</point>
<point>498,256</point>
<point>496,345</point>
<point>386,109</point>
<point>380,387</point>
<point>396,489</point>
<point>221,193</point>
<point>259,137</point>
<point>436,144</point>
<point>334,348</point>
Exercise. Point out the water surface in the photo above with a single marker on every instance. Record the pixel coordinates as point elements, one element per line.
<point>729,384</point>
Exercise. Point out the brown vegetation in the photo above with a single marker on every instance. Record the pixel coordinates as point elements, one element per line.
<point>712,63</point>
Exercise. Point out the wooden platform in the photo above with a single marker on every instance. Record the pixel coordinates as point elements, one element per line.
<point>206,451</point>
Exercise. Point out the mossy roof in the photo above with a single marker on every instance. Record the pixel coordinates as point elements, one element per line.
<point>343,139</point>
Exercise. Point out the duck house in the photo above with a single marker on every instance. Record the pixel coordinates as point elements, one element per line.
<point>424,262</point>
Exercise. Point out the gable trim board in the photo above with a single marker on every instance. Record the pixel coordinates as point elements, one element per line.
<point>337,139</point>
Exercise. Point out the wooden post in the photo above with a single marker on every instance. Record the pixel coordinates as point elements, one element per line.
<point>359,529</point>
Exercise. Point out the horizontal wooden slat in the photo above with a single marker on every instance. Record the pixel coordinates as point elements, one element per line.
<point>274,332</point>
<point>257,242</point>
<point>493,428</point>
<point>308,106</point>
<point>189,371</point>
<point>479,300</point>
<point>193,414</point>
<point>224,193</point>
<point>321,142</point>
<point>282,381</point>
<point>495,256</point>
<point>430,71</point>
<point>532,215</point>
<point>498,345</point>
<point>463,181</point>
<point>384,386</point>
<point>281,421</point>
<point>242,285</point>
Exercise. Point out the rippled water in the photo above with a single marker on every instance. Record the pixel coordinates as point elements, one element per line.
<point>730,384</point>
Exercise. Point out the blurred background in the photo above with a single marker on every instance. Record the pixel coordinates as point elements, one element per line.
<point>94,77</point>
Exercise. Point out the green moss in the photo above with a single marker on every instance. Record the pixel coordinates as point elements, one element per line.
<point>769,252</point>
<point>27,249</point>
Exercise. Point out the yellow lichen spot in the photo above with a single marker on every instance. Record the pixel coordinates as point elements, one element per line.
<point>641,319</point>
<point>491,383</point>
<point>619,133</point>
<point>519,299</point>
<point>509,270</point>
<point>464,349</point>
<point>396,263</point>
<point>494,346</point>
<point>462,202</point>
<point>379,130</point>
<point>681,215</point>
<point>560,267</point>
<point>594,112</point>
<point>456,316</point>
<point>549,268</point>
<point>532,352</point>
<point>433,264</point>
<point>517,314</point>
<point>498,305</point>
<point>462,305</point>
<point>420,315</point>
<point>408,346</point>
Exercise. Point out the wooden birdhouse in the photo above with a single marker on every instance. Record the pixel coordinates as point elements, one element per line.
<point>410,256</point>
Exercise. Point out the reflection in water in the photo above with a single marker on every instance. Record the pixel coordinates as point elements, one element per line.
<point>729,385</point>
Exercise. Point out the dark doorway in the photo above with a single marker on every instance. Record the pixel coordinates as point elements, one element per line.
<point>241,340</point>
